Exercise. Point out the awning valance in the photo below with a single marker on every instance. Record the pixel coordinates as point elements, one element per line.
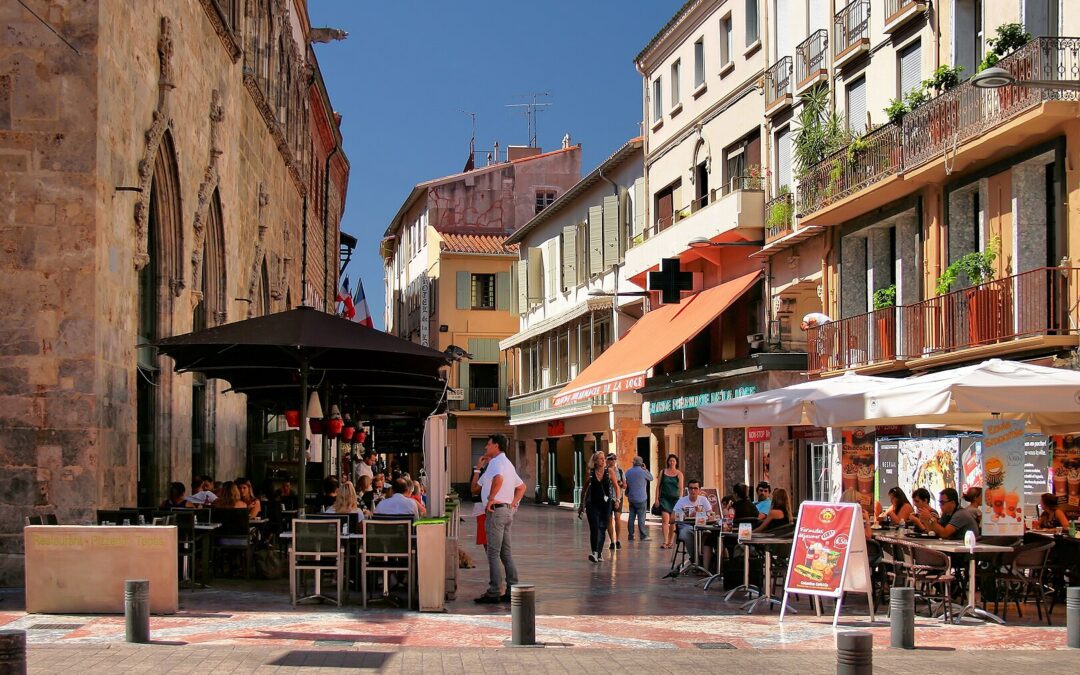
<point>623,366</point>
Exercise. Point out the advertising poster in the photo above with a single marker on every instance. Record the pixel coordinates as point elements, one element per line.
<point>1065,469</point>
<point>887,458</point>
<point>930,463</point>
<point>970,463</point>
<point>1036,470</point>
<point>1003,475</point>
<point>819,553</point>
<point>857,466</point>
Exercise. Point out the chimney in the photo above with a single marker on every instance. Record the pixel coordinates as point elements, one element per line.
<point>566,141</point>
<point>516,152</point>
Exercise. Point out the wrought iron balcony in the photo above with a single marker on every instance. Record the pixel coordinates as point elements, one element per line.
<point>812,60</point>
<point>481,398</point>
<point>1039,303</point>
<point>778,85</point>
<point>742,183</point>
<point>899,12</point>
<point>851,31</point>
<point>873,157</point>
<point>779,216</point>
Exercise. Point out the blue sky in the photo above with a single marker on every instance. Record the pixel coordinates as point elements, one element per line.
<point>410,66</point>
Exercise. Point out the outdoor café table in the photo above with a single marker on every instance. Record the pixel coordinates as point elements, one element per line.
<point>696,562</point>
<point>745,586</point>
<point>763,540</point>
<point>699,531</point>
<point>951,547</point>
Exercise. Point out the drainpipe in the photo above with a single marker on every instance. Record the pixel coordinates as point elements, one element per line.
<point>303,260</point>
<point>326,223</point>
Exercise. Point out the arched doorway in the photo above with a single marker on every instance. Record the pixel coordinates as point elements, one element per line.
<point>210,311</point>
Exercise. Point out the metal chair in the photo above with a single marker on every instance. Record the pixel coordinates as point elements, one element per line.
<point>930,569</point>
<point>387,548</point>
<point>35,520</point>
<point>116,516</point>
<point>316,546</point>
<point>1027,571</point>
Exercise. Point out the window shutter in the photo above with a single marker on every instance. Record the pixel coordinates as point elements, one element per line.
<point>569,257</point>
<point>596,240</point>
<point>551,269</point>
<point>910,68</point>
<point>819,13</point>
<point>856,106</point>
<point>639,206</point>
<point>626,220</point>
<point>783,158</point>
<point>522,286</point>
<point>536,276</point>
<point>785,37</point>
<point>463,381</point>
<point>611,231</point>
<point>502,291</point>
<point>464,290</point>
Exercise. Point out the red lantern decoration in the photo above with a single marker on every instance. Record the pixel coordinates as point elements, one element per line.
<point>315,425</point>
<point>334,427</point>
<point>292,418</point>
<point>361,436</point>
<point>347,433</point>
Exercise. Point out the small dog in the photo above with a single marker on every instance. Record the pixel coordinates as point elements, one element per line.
<point>465,561</point>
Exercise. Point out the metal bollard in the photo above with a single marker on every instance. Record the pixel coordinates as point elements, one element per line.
<point>902,617</point>
<point>854,653</point>
<point>13,652</point>
<point>137,610</point>
<point>523,615</point>
<point>1072,616</point>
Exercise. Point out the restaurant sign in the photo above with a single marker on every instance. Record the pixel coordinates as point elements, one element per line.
<point>691,401</point>
<point>626,383</point>
<point>758,434</point>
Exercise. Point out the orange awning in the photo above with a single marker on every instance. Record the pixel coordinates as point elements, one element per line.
<point>623,365</point>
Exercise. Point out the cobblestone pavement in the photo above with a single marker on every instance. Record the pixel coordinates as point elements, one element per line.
<point>622,610</point>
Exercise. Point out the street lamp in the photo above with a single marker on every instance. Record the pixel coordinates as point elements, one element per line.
<point>702,242</point>
<point>995,78</point>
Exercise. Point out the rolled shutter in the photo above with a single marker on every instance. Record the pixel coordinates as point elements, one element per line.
<point>856,106</point>
<point>522,286</point>
<point>464,290</point>
<point>639,206</point>
<point>502,291</point>
<point>569,257</point>
<point>596,239</point>
<point>911,68</point>
<point>611,231</point>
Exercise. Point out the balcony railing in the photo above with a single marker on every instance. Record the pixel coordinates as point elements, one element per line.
<point>899,12</point>
<point>851,27</point>
<point>1040,302</point>
<point>481,398</point>
<point>779,217</point>
<point>964,112</point>
<point>941,124</point>
<point>811,58</point>
<point>751,183</point>
<point>778,81</point>
<point>538,404</point>
<point>872,158</point>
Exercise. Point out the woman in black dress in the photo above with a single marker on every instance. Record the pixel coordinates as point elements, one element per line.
<point>596,502</point>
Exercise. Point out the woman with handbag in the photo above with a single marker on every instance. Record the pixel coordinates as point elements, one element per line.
<point>596,502</point>
<point>671,488</point>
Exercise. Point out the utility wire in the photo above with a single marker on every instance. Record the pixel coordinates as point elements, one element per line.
<point>53,30</point>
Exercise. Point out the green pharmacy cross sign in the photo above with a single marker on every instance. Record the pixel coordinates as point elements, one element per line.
<point>670,281</point>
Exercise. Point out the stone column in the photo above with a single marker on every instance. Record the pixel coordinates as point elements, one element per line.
<point>734,441</point>
<point>538,495</point>
<point>853,281</point>
<point>693,450</point>
<point>907,269</point>
<point>553,463</point>
<point>1029,220</point>
<point>579,467</point>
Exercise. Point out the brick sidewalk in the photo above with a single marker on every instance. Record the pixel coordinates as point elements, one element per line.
<point>176,659</point>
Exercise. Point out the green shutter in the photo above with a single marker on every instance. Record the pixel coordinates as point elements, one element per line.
<point>569,257</point>
<point>522,286</point>
<point>464,290</point>
<point>502,383</point>
<point>463,382</point>
<point>596,240</point>
<point>502,291</point>
<point>536,276</point>
<point>611,231</point>
<point>484,350</point>
<point>639,206</point>
<point>625,220</point>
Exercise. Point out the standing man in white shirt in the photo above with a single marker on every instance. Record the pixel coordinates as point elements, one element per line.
<point>501,490</point>
<point>364,466</point>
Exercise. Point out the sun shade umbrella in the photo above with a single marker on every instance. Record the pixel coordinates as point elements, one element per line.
<point>788,406</point>
<point>277,357</point>
<point>1047,399</point>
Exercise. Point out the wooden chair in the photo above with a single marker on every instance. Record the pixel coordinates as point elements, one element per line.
<point>316,546</point>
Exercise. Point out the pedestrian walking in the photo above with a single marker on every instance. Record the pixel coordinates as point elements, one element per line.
<point>617,491</point>
<point>596,503</point>
<point>637,495</point>
<point>671,489</point>
<point>501,490</point>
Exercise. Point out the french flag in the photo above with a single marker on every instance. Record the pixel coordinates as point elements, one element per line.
<point>360,306</point>
<point>348,309</point>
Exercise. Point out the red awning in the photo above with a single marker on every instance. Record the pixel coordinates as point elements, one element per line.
<point>623,365</point>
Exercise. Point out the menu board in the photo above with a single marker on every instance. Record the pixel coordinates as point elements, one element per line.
<point>1003,473</point>
<point>857,466</point>
<point>930,463</point>
<point>1036,470</point>
<point>820,550</point>
<point>887,458</point>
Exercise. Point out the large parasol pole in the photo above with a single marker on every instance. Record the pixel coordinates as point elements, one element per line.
<point>302,478</point>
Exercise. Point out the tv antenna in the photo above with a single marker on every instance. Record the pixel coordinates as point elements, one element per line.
<point>532,109</point>
<point>472,141</point>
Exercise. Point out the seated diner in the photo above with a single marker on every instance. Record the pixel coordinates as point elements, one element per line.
<point>229,497</point>
<point>1051,516</point>
<point>900,508</point>
<point>685,511</point>
<point>176,499</point>
<point>779,513</point>
<point>398,503</point>
<point>920,501</point>
<point>955,522</point>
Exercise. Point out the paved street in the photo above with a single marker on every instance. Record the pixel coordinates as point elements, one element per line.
<point>611,616</point>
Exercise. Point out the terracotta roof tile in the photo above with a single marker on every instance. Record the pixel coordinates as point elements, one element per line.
<point>491,244</point>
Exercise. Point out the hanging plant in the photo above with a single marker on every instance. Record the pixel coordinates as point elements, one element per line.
<point>885,297</point>
<point>1010,37</point>
<point>781,210</point>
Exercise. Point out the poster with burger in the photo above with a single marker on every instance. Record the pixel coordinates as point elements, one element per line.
<point>820,550</point>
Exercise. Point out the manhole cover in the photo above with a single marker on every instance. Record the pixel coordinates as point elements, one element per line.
<point>55,626</point>
<point>714,645</point>
<point>333,643</point>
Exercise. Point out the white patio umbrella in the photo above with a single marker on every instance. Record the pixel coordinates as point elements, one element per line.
<point>788,406</point>
<point>1048,399</point>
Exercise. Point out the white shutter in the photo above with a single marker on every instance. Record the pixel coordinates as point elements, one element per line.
<point>596,240</point>
<point>611,231</point>
<point>522,286</point>
<point>569,257</point>
<point>783,158</point>
<point>856,106</point>
<point>639,206</point>
<point>551,269</point>
<point>910,67</point>
<point>536,276</point>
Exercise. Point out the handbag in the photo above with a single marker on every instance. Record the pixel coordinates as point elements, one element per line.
<point>655,510</point>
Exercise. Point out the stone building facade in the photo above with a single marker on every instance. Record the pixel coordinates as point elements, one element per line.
<point>163,167</point>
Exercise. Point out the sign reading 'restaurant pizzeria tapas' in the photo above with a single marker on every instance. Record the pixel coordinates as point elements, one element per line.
<point>627,383</point>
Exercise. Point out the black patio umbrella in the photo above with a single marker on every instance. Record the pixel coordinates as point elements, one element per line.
<point>276,358</point>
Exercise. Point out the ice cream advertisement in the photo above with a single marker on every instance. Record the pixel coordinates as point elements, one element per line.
<point>820,550</point>
<point>1003,478</point>
<point>1065,469</point>
<point>857,476</point>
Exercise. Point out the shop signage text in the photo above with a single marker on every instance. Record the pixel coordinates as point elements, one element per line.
<point>697,400</point>
<point>627,383</point>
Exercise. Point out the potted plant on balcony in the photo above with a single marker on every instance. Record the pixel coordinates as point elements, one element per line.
<point>780,211</point>
<point>884,299</point>
<point>986,312</point>
<point>1010,37</point>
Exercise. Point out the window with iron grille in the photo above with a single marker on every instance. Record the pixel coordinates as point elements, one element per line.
<point>544,198</point>
<point>483,291</point>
